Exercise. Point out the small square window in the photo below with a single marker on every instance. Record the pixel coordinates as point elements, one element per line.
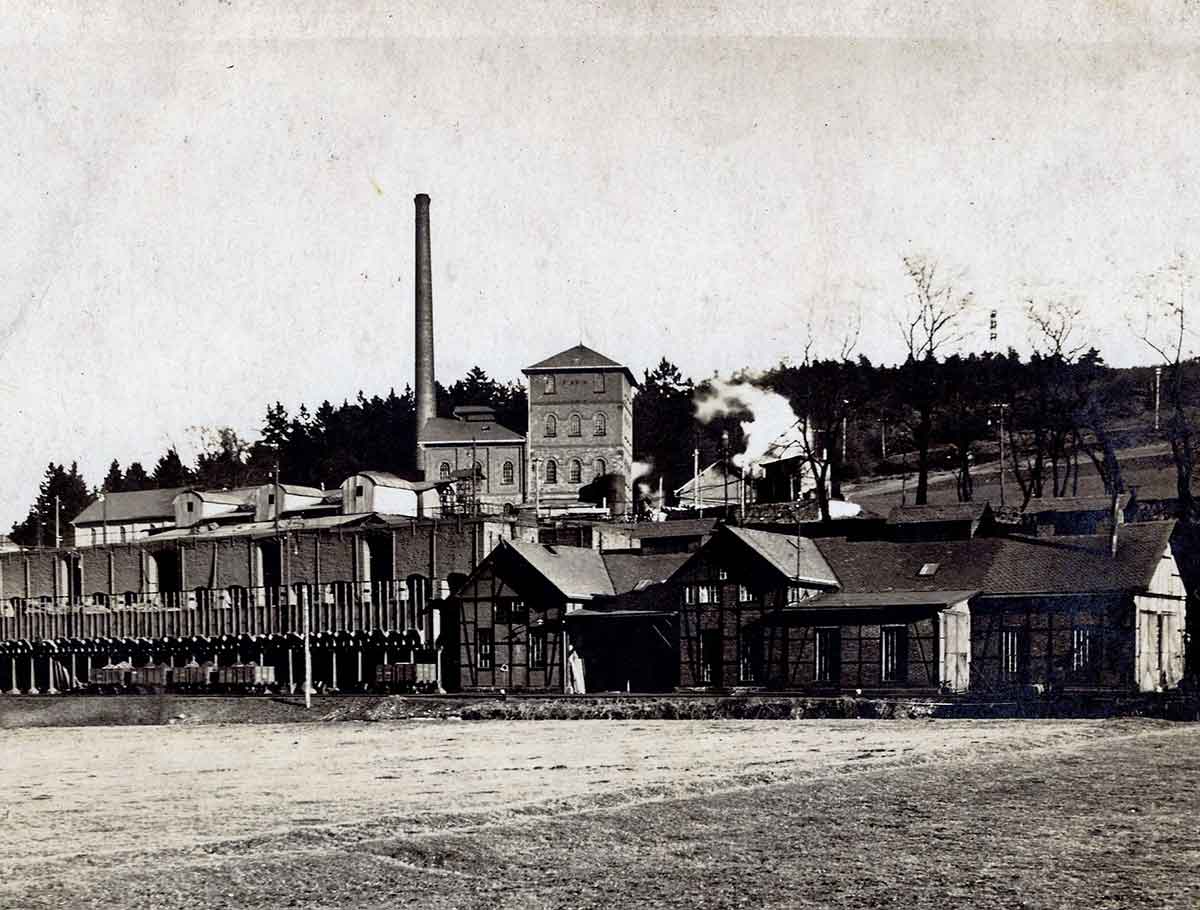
<point>358,490</point>
<point>270,499</point>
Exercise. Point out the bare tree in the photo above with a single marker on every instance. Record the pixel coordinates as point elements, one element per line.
<point>1166,330</point>
<point>930,324</point>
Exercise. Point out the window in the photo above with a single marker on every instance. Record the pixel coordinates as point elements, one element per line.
<point>1083,648</point>
<point>129,598</point>
<point>537,650</point>
<point>575,473</point>
<point>551,471</point>
<point>574,426</point>
<point>270,499</point>
<point>93,537</point>
<point>1010,653</point>
<point>509,611</point>
<point>928,569</point>
<point>99,599</point>
<point>700,594</point>
<point>358,490</point>
<point>895,653</point>
<point>122,533</point>
<point>507,472</point>
<point>797,593</point>
<point>551,425</point>
<point>487,648</point>
<point>444,470</point>
<point>191,507</point>
<point>744,594</point>
<point>598,386</point>
<point>237,596</point>
<point>599,425</point>
<point>828,659</point>
<point>548,385</point>
<point>722,574</point>
<point>601,467</point>
<point>203,598</point>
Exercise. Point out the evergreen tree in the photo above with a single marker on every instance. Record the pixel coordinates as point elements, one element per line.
<point>136,477</point>
<point>170,471</point>
<point>114,480</point>
<point>72,494</point>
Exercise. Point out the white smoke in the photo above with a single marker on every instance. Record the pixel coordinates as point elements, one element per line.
<point>770,415</point>
<point>640,469</point>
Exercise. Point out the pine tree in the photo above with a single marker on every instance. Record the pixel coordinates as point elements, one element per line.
<point>72,498</point>
<point>114,480</point>
<point>171,471</point>
<point>136,477</point>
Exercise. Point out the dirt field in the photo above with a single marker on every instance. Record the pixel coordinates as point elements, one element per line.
<point>603,814</point>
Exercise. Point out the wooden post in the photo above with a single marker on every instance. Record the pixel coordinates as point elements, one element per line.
<point>291,680</point>
<point>32,690</point>
<point>333,686</point>
<point>12,665</point>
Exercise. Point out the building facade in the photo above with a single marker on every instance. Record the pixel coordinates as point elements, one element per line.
<point>580,425</point>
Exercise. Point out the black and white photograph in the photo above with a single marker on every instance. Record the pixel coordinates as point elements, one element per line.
<point>550,454</point>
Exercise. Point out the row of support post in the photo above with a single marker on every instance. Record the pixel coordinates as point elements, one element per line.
<point>290,682</point>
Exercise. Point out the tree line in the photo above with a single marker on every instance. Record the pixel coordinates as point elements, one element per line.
<point>1046,414</point>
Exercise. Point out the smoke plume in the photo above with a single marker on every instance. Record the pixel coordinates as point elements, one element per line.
<point>770,415</point>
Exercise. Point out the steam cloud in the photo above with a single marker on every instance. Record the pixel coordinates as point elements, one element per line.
<point>770,415</point>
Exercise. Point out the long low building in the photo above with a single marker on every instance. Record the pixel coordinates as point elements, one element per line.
<point>763,609</point>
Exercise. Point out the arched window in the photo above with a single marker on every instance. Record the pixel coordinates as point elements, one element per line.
<point>601,467</point>
<point>551,471</point>
<point>573,426</point>
<point>575,474</point>
<point>599,425</point>
<point>507,472</point>
<point>444,470</point>
<point>551,425</point>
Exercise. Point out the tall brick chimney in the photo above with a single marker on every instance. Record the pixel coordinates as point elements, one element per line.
<point>423,386</point>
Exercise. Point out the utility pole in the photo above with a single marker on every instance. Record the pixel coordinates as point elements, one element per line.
<point>696,479</point>
<point>725,470</point>
<point>1002,408</point>
<point>883,438</point>
<point>1157,388</point>
<point>57,534</point>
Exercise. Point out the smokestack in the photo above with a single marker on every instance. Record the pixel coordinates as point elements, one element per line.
<point>423,387</point>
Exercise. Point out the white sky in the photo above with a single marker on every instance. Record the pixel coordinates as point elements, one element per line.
<point>208,206</point>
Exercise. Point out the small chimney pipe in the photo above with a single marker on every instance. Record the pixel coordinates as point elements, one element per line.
<point>424,389</point>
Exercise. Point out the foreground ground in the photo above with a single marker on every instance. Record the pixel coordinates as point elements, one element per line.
<point>603,814</point>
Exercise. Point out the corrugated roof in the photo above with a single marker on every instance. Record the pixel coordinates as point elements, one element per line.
<point>388,479</point>
<point>1074,504</point>
<point>459,432</point>
<point>631,571</point>
<point>578,573</point>
<point>581,358</point>
<point>796,558</point>
<point>146,505</point>
<point>955,511</point>
<point>683,527</point>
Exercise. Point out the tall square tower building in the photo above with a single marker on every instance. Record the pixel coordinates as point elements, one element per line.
<point>580,424</point>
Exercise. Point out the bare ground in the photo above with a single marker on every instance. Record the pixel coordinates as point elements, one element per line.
<point>597,814</point>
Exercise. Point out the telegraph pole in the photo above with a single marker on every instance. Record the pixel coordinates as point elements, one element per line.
<point>57,533</point>
<point>1000,425</point>
<point>1157,388</point>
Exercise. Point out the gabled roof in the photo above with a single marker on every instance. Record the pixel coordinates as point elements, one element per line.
<point>998,566</point>
<point>580,359</point>
<point>681,527</point>
<point>578,573</point>
<point>796,558</point>
<point>1079,564</point>
<point>147,505</point>
<point>633,572</point>
<point>444,430</point>
<point>954,511</point>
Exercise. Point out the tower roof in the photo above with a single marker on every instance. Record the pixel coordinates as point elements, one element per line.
<point>578,359</point>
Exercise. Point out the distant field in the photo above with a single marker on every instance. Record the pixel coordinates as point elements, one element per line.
<point>603,814</point>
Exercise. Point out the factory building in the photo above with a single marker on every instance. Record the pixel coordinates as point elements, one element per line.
<point>580,426</point>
